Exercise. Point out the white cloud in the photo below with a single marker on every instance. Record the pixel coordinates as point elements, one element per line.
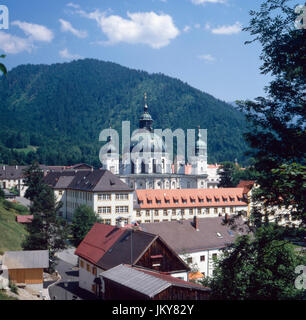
<point>73,5</point>
<point>197,26</point>
<point>12,44</point>
<point>36,32</point>
<point>67,27</point>
<point>228,30</point>
<point>186,28</point>
<point>142,27</point>
<point>65,54</point>
<point>207,1</point>
<point>207,57</point>
<point>207,26</point>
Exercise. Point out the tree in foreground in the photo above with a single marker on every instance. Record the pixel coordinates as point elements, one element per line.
<point>2,66</point>
<point>48,231</point>
<point>277,132</point>
<point>258,267</point>
<point>261,265</point>
<point>83,220</point>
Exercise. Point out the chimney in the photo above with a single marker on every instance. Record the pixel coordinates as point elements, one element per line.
<point>196,223</point>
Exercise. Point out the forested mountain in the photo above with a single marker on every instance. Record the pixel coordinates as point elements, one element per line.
<point>54,113</point>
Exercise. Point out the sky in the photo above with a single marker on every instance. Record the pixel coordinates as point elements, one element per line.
<point>200,42</point>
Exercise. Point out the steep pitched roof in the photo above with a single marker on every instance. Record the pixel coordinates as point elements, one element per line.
<point>98,241</point>
<point>11,172</point>
<point>183,237</point>
<point>108,246</point>
<point>86,180</point>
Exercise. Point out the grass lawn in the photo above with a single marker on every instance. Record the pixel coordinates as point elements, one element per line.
<point>4,296</point>
<point>11,233</point>
<point>27,149</point>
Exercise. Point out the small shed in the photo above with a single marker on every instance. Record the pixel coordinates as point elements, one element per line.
<point>26,267</point>
<point>126,282</point>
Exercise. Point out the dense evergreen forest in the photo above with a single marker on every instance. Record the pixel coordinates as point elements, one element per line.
<point>54,113</point>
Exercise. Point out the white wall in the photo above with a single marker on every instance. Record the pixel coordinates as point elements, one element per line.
<point>206,267</point>
<point>86,278</point>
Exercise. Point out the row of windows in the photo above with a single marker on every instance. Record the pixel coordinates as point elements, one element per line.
<point>118,196</point>
<point>202,258</point>
<point>118,209</point>
<point>182,211</point>
<point>79,194</point>
<point>109,221</point>
<point>88,267</point>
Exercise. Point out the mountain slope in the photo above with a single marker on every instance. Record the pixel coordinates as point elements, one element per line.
<point>62,108</point>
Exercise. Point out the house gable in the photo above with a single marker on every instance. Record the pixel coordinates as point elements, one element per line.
<point>160,257</point>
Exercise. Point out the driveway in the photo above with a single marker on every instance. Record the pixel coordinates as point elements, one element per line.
<point>68,287</point>
<point>23,201</point>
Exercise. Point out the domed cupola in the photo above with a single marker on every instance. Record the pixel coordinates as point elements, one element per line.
<point>146,121</point>
<point>200,145</point>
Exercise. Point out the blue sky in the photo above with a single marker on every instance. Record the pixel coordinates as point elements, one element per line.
<point>197,41</point>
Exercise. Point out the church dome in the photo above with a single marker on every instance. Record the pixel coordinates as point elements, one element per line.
<point>147,141</point>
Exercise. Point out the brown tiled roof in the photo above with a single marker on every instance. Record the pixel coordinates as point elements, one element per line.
<point>183,237</point>
<point>221,194</point>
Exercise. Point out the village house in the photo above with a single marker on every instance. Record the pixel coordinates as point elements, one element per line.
<point>106,246</point>
<point>126,282</point>
<point>198,241</point>
<point>168,205</point>
<point>13,177</point>
<point>101,190</point>
<point>24,267</point>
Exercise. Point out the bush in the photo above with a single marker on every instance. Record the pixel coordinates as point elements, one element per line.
<point>13,287</point>
<point>15,206</point>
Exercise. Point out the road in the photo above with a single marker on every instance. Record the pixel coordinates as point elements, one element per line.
<point>68,287</point>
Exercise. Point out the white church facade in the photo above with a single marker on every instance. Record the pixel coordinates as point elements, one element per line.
<point>155,169</point>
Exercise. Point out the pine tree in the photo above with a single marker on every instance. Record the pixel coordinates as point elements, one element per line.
<point>48,231</point>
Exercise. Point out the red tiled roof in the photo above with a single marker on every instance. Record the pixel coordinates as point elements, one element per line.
<point>245,183</point>
<point>98,241</point>
<point>213,166</point>
<point>221,194</point>
<point>24,219</point>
